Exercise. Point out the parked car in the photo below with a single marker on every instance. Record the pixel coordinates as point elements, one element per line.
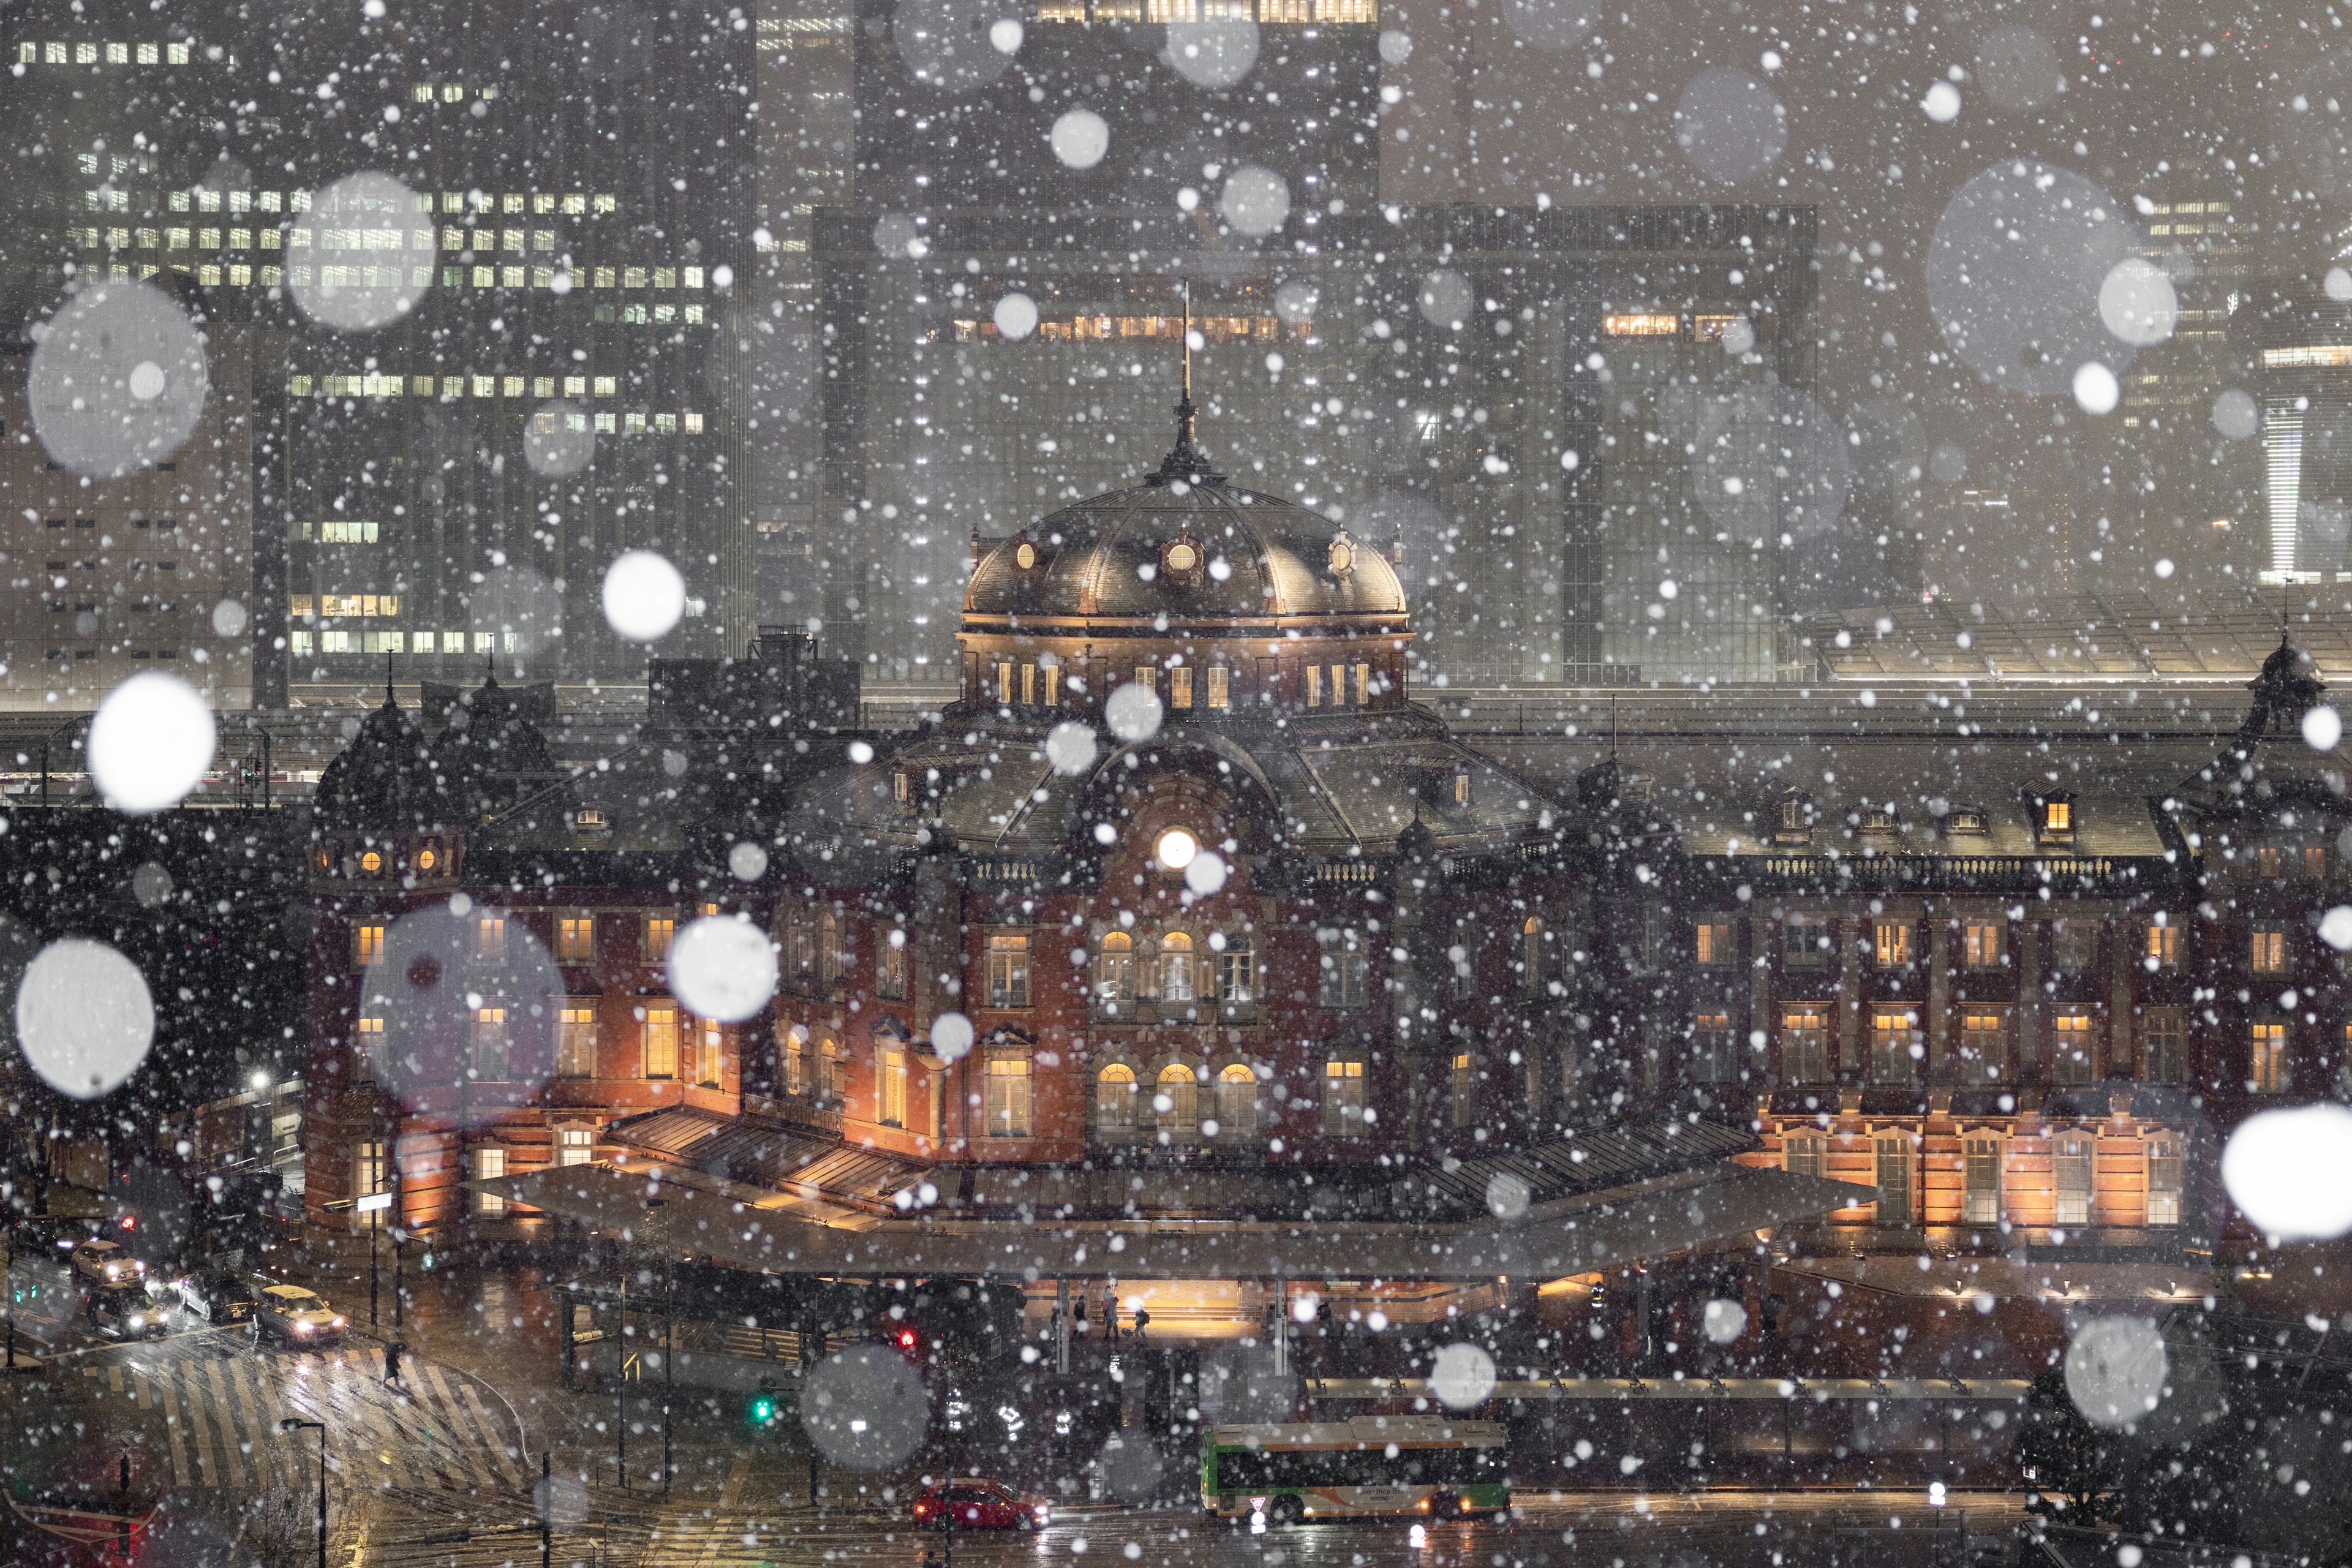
<point>49,1235</point>
<point>128,1310</point>
<point>979,1504</point>
<point>105,1262</point>
<point>216,1296</point>
<point>298,1316</point>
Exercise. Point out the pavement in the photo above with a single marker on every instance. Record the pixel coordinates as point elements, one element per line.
<point>446,1468</point>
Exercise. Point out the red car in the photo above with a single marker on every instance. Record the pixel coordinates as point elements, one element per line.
<point>980,1505</point>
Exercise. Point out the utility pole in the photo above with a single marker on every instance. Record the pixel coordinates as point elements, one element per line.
<point>546,1508</point>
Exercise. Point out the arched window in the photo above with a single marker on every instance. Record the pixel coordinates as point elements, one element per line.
<point>2072,1158</point>
<point>1532,956</point>
<point>828,949</point>
<point>796,1059</point>
<point>1178,1104</point>
<point>1237,1102</point>
<point>1175,967</point>
<point>1115,968</point>
<point>1115,1098</point>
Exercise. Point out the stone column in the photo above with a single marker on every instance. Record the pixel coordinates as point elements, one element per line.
<point>2123,1034</point>
<point>1939,995</point>
<point>1845,934</point>
<point>2029,1003</point>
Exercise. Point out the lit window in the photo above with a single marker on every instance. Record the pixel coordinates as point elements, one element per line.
<point>2266,1071</point>
<point>1008,972</point>
<point>1176,967</point>
<point>575,939</point>
<point>1115,1096</point>
<point>574,1145</point>
<point>1805,1044</point>
<point>1981,943</point>
<point>661,1041</point>
<point>1179,686</point>
<point>1005,1105</point>
<point>490,1046</point>
<point>2270,950</point>
<point>1115,968</point>
<point>1219,688</point>
<point>491,938</point>
<point>2074,1050</point>
<point>1176,1105</point>
<point>575,1044</point>
<point>490,1163</point>
<point>1462,1090</point>
<point>1891,942</point>
<point>1803,1151</point>
<point>1534,950</point>
<point>890,1071</point>
<point>1895,1048</point>
<point>1344,1114</point>
<point>1984,1046</point>
<point>1715,943</point>
<point>367,945</point>
<point>2163,944</point>
<point>1981,1178</point>
<point>660,932</point>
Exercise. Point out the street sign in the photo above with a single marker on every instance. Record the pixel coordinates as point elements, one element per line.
<point>372,1204</point>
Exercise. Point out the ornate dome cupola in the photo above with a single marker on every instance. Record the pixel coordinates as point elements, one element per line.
<point>1226,603</point>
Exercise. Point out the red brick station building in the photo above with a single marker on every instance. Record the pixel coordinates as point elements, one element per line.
<point>1297,953</point>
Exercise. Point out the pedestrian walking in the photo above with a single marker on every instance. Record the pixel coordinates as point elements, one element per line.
<point>392,1353</point>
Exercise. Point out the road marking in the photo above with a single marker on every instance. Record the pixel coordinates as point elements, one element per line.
<point>731,1496</point>
<point>232,1451</point>
<point>183,1382</point>
<point>502,1453</point>
<point>181,1474</point>
<point>454,1418</point>
<point>114,1377</point>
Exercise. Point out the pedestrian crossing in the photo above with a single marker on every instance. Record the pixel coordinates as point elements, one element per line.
<point>219,1416</point>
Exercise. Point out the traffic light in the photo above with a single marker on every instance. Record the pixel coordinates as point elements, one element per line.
<point>763,1403</point>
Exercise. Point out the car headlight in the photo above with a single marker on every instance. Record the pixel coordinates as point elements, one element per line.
<point>338,1324</point>
<point>138,1321</point>
<point>302,1327</point>
<point>113,1270</point>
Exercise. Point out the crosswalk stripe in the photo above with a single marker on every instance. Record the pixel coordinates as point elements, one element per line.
<point>375,1414</point>
<point>232,1450</point>
<point>184,1377</point>
<point>272,1463</point>
<point>148,1400</point>
<point>114,1377</point>
<point>453,1418</point>
<point>493,1431</point>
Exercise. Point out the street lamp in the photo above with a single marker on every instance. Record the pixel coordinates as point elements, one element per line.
<point>295,1423</point>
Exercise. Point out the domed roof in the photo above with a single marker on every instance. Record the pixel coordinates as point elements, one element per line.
<point>1183,544</point>
<point>1190,550</point>
<point>385,779</point>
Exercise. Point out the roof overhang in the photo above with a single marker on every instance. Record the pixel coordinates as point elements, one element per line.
<point>1600,1230</point>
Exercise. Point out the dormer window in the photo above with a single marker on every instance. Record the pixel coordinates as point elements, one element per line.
<point>1792,819</point>
<point>1342,556</point>
<point>1967,821</point>
<point>590,819</point>
<point>2053,818</point>
<point>1461,787</point>
<point>1025,555</point>
<point>902,790</point>
<point>1879,819</point>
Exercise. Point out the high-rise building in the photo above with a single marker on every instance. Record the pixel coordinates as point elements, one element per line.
<point>2302,342</point>
<point>519,354</point>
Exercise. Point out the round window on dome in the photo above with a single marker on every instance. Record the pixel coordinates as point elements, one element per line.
<point>371,862</point>
<point>1176,848</point>
<point>427,859</point>
<point>1025,555</point>
<point>1343,554</point>
<point>1183,557</point>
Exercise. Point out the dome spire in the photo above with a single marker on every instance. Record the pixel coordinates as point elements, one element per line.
<point>1186,461</point>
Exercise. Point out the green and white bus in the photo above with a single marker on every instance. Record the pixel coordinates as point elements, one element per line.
<point>1427,1467</point>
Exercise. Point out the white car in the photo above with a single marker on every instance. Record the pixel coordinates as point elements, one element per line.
<point>298,1316</point>
<point>105,1263</point>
